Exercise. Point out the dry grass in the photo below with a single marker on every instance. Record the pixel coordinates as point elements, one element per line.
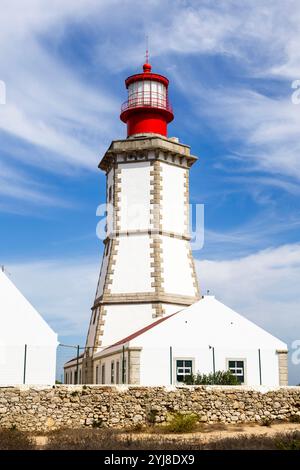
<point>93,439</point>
<point>208,437</point>
<point>100,439</point>
<point>15,440</point>
<point>282,441</point>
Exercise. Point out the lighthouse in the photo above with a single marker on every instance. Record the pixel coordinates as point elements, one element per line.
<point>149,325</point>
<point>147,268</point>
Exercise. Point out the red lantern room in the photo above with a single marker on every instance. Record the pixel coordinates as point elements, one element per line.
<point>147,110</point>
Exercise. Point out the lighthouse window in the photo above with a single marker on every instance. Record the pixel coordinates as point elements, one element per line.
<point>107,248</point>
<point>184,368</point>
<point>237,368</point>
<point>95,316</point>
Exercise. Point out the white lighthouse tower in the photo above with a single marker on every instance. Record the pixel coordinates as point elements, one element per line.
<point>147,268</point>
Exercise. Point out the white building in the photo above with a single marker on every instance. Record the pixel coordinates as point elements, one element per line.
<point>148,271</point>
<point>204,337</point>
<point>27,344</point>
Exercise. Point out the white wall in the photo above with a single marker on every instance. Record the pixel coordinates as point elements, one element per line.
<point>155,363</point>
<point>39,364</point>
<point>123,320</point>
<point>135,196</point>
<point>208,323</point>
<point>70,374</point>
<point>21,324</point>
<point>178,275</point>
<point>132,271</point>
<point>171,308</point>
<point>106,361</point>
<point>173,200</point>
<point>109,206</point>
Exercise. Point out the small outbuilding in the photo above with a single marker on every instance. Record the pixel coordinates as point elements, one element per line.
<point>27,343</point>
<point>204,337</point>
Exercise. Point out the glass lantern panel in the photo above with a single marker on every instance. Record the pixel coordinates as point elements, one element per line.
<point>139,86</point>
<point>147,92</point>
<point>154,87</point>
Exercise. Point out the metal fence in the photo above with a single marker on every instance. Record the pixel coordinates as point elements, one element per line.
<point>31,364</point>
<point>171,364</point>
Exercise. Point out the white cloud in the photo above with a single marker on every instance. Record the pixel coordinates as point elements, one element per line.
<point>51,106</point>
<point>17,185</point>
<point>266,129</point>
<point>63,122</point>
<point>47,104</point>
<point>263,286</point>
<point>260,132</point>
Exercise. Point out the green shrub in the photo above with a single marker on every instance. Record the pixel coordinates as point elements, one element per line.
<point>97,423</point>
<point>151,416</point>
<point>218,378</point>
<point>182,422</point>
<point>266,421</point>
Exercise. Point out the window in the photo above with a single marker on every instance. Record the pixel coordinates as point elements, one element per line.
<point>112,372</point>
<point>95,316</point>
<point>124,371</point>
<point>71,378</point>
<point>117,372</point>
<point>237,368</point>
<point>80,376</point>
<point>66,378</point>
<point>107,248</point>
<point>184,368</point>
<point>103,374</point>
<point>109,193</point>
<point>97,371</point>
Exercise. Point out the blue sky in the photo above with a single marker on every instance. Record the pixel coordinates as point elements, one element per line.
<point>231,65</point>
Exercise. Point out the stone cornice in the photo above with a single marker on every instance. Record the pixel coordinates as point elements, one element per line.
<point>145,298</point>
<point>125,233</point>
<point>140,147</point>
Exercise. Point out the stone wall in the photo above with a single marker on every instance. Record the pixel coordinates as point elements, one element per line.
<point>41,409</point>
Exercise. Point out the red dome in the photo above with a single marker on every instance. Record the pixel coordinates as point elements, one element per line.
<point>147,68</point>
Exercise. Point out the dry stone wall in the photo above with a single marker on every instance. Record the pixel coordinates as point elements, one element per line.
<point>78,406</point>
